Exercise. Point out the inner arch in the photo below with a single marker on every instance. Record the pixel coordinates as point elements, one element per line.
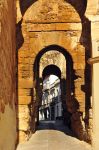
<point>51,69</point>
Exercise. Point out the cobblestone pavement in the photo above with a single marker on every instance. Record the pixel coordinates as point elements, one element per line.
<point>53,136</point>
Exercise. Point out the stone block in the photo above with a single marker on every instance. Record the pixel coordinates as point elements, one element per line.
<point>54,27</point>
<point>22,136</point>
<point>24,100</point>
<point>24,117</point>
<point>25,83</point>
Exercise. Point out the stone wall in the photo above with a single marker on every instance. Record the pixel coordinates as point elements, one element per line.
<point>43,26</point>
<point>92,13</point>
<point>7,75</point>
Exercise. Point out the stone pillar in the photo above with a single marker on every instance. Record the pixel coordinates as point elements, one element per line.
<point>95,87</point>
<point>95,102</point>
<point>92,14</point>
<point>95,94</point>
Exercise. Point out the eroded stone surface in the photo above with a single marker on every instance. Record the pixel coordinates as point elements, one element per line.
<point>61,25</point>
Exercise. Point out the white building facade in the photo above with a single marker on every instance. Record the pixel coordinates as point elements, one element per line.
<point>51,106</point>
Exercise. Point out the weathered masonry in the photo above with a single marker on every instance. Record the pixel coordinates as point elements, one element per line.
<point>44,27</point>
<point>8,134</point>
<point>63,34</point>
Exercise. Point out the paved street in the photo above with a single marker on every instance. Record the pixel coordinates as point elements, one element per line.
<point>53,136</point>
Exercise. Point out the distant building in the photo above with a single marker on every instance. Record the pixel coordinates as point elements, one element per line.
<point>51,106</point>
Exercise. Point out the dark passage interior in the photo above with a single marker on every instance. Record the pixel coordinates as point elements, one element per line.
<point>53,83</point>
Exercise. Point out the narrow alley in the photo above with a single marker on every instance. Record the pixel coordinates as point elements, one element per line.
<point>53,135</point>
<point>49,75</point>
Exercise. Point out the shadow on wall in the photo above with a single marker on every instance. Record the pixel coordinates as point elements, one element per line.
<point>57,125</point>
<point>79,7</point>
<point>85,40</point>
<point>19,36</point>
<point>24,5</point>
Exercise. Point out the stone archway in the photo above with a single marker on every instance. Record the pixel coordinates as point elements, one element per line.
<point>72,99</point>
<point>68,84</point>
<point>47,31</point>
<point>42,66</point>
<point>49,93</point>
<point>26,88</point>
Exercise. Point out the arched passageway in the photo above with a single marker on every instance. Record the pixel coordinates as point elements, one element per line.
<point>61,22</point>
<point>62,27</point>
<point>51,104</point>
<point>56,60</point>
<point>51,69</point>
